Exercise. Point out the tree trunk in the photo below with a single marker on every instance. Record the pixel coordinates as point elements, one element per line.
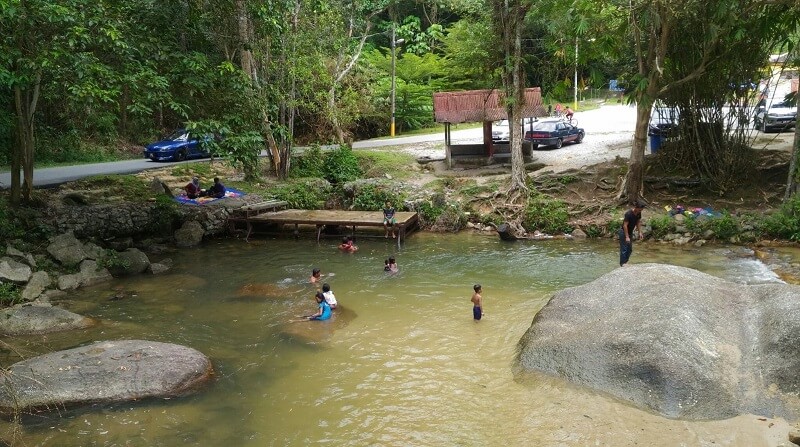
<point>634,180</point>
<point>518,176</point>
<point>244,40</point>
<point>794,176</point>
<point>22,158</point>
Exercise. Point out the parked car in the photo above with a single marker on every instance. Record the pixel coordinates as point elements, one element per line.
<point>554,133</point>
<point>500,132</point>
<point>179,145</point>
<point>778,115</point>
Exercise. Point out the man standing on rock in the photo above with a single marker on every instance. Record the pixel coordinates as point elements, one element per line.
<point>633,218</point>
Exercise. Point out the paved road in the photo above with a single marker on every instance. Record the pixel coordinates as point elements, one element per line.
<point>48,177</point>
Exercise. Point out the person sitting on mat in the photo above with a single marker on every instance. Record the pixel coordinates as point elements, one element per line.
<point>217,190</point>
<point>193,188</point>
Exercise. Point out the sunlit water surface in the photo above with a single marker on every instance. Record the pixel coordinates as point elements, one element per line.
<point>410,369</point>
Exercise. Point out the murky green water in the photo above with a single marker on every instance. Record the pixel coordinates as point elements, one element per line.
<point>410,369</point>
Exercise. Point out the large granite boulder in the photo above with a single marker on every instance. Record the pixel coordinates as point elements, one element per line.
<point>88,275</point>
<point>40,319</point>
<point>38,283</point>
<point>190,234</point>
<point>109,371</point>
<point>129,262</point>
<point>674,340</point>
<point>13,271</point>
<point>67,249</point>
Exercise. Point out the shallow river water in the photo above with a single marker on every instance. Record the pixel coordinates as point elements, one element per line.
<point>409,368</point>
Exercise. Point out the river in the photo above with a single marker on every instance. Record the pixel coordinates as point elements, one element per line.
<point>411,368</point>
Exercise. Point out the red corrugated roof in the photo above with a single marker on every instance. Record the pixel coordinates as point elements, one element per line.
<point>482,105</point>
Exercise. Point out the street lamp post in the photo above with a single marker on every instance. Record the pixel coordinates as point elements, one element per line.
<point>395,42</point>
<point>575,81</point>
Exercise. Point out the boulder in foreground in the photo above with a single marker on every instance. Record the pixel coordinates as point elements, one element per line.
<point>674,340</point>
<point>109,371</point>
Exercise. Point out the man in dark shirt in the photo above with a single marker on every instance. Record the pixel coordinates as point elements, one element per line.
<point>633,218</point>
<point>217,190</point>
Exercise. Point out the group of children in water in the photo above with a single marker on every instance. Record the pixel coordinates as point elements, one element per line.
<point>326,300</point>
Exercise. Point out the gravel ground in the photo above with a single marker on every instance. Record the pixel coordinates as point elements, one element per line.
<point>609,134</point>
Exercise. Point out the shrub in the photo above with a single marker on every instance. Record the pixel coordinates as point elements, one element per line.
<point>785,223</point>
<point>451,218</point>
<point>307,194</point>
<point>594,231</point>
<point>21,223</point>
<point>724,227</point>
<point>310,164</point>
<point>374,197</point>
<point>661,226</point>
<point>10,294</point>
<point>491,219</point>
<point>341,166</point>
<point>546,214</point>
<point>164,216</point>
<point>428,213</point>
<point>112,261</point>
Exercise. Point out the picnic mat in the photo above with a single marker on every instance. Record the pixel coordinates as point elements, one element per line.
<point>229,192</point>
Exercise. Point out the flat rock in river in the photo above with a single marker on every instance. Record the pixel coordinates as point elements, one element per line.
<point>109,371</point>
<point>24,319</point>
<point>674,340</point>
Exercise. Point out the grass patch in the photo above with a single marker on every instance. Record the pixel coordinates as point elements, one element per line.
<point>129,187</point>
<point>377,164</point>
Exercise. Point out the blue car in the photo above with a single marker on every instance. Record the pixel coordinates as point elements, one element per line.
<point>180,145</point>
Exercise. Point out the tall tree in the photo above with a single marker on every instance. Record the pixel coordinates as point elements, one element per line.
<point>43,42</point>
<point>658,28</point>
<point>509,16</point>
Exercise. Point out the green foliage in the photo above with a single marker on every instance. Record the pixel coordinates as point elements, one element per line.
<point>491,218</point>
<point>341,166</point>
<point>374,197</point>
<point>428,214</point>
<point>129,187</point>
<point>661,225</point>
<point>310,164</point>
<point>304,194</point>
<point>785,223</point>
<point>200,170</point>
<point>724,227</point>
<point>164,215</point>
<point>112,261</point>
<point>594,231</point>
<point>10,294</point>
<point>546,214</point>
<point>23,223</point>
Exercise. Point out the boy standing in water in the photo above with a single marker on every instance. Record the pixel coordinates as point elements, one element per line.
<point>477,302</point>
